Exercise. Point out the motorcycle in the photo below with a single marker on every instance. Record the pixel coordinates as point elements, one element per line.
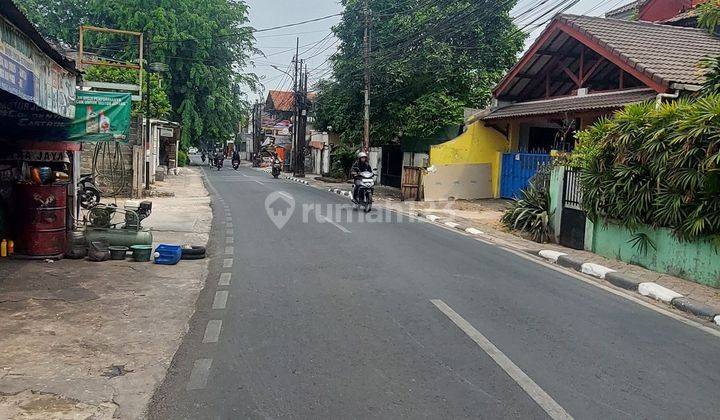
<point>236,164</point>
<point>365,191</point>
<point>276,167</point>
<point>203,157</point>
<point>88,193</point>
<point>219,162</point>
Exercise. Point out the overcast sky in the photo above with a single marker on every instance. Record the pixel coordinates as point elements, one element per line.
<point>317,42</point>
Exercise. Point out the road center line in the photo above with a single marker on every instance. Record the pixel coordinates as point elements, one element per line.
<point>286,195</point>
<point>199,374</point>
<point>545,401</point>
<point>337,225</point>
<point>212,331</point>
<point>220,301</point>
<point>259,182</point>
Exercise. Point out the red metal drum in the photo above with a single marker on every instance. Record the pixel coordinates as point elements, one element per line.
<point>42,213</point>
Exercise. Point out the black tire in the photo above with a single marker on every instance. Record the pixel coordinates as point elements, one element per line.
<point>276,175</point>
<point>90,198</point>
<point>194,250</point>
<point>193,257</point>
<point>368,202</point>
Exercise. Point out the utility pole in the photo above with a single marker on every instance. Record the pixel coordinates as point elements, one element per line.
<point>295,121</point>
<point>302,126</point>
<point>366,59</point>
<point>147,113</point>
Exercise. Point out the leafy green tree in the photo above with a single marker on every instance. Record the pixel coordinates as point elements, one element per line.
<point>430,59</point>
<point>205,44</point>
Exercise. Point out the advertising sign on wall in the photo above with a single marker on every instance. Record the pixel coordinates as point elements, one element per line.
<point>101,116</point>
<point>29,74</point>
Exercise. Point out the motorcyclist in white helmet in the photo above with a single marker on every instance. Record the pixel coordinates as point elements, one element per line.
<point>360,165</point>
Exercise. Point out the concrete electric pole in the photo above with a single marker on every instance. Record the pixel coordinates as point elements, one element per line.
<point>366,59</point>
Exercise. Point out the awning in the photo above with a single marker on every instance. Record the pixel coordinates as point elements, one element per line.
<point>571,104</point>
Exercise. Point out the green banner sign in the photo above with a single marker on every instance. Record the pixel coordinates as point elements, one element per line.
<point>101,116</point>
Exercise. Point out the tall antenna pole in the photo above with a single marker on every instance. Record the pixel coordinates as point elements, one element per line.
<point>366,57</point>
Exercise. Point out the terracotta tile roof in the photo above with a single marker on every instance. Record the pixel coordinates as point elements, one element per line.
<point>282,100</point>
<point>669,54</point>
<point>590,102</point>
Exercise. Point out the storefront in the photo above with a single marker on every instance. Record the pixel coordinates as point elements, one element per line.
<point>37,160</point>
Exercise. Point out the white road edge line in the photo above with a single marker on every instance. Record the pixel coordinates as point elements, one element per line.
<point>337,225</point>
<point>227,262</point>
<point>286,195</point>
<point>220,301</point>
<point>225,279</point>
<point>542,398</point>
<point>212,331</point>
<point>199,374</point>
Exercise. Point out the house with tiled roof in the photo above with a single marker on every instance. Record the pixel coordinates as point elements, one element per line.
<point>654,10</point>
<point>579,69</point>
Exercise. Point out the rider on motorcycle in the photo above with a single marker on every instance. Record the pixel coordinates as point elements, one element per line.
<point>360,165</point>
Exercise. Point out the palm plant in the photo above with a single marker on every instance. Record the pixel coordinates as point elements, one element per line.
<point>658,167</point>
<point>531,213</point>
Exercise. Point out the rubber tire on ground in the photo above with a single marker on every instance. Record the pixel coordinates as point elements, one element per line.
<point>194,250</point>
<point>193,257</point>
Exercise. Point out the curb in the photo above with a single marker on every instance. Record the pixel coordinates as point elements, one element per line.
<point>298,180</point>
<point>628,282</point>
<point>338,191</point>
<point>623,281</point>
<point>696,308</point>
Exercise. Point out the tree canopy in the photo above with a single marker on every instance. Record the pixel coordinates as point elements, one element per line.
<point>429,60</point>
<point>205,44</point>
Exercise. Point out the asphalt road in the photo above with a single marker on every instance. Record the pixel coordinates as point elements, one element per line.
<point>389,318</point>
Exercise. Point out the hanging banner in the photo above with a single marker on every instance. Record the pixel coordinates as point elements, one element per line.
<point>101,116</point>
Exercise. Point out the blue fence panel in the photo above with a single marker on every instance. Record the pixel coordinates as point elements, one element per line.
<point>517,169</point>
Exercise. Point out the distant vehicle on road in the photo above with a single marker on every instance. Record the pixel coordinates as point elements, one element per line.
<point>193,150</point>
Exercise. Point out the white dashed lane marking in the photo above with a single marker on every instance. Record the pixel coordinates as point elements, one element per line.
<point>229,250</point>
<point>199,374</point>
<point>220,301</point>
<point>212,331</point>
<point>229,232</point>
<point>229,240</point>
<point>224,279</point>
<point>227,262</point>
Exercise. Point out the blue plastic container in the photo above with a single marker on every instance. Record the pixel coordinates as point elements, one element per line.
<point>168,254</point>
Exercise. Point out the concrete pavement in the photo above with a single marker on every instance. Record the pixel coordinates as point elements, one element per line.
<point>333,316</point>
<point>81,339</point>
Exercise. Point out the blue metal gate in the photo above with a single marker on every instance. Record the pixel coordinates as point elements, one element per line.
<point>517,169</point>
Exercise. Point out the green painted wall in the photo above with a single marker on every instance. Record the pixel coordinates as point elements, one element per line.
<point>697,261</point>
<point>557,177</point>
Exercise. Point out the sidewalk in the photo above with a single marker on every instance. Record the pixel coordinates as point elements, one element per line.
<point>483,217</point>
<point>92,340</point>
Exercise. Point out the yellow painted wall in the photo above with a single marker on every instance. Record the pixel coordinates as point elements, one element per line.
<point>479,144</point>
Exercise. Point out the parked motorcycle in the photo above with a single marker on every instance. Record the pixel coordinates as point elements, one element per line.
<point>88,193</point>
<point>366,190</point>
<point>276,167</point>
<point>203,157</point>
